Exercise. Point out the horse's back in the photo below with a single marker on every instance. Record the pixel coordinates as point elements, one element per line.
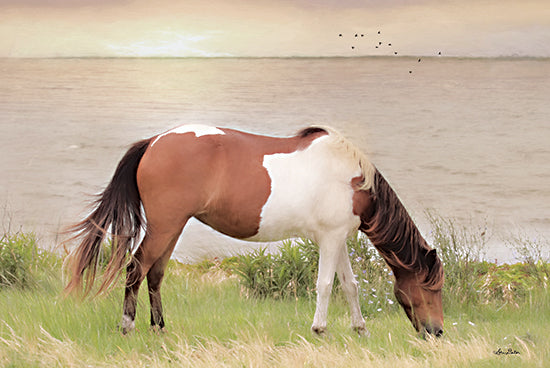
<point>244,185</point>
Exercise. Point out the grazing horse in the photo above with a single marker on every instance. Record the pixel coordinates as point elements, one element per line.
<point>315,184</point>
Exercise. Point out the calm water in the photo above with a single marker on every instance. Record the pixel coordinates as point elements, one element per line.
<point>467,138</point>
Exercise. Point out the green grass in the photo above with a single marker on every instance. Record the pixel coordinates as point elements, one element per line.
<point>210,321</point>
<point>22,263</point>
<point>214,320</point>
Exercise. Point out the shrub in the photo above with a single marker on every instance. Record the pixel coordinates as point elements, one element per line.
<point>293,272</point>
<point>21,260</point>
<point>290,272</point>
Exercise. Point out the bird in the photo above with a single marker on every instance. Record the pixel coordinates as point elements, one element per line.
<point>362,35</point>
<point>378,32</point>
<point>340,35</point>
<point>353,47</point>
<point>389,44</point>
<point>419,60</point>
<point>410,71</point>
<point>379,42</point>
<point>439,53</point>
<point>356,35</point>
<point>395,53</point>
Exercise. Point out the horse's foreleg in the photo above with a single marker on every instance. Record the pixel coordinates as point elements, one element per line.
<point>349,286</point>
<point>329,252</point>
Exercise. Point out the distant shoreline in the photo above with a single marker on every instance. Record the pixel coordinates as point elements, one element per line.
<point>400,57</point>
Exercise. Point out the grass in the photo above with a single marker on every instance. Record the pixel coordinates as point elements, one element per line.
<point>214,320</point>
<point>22,262</point>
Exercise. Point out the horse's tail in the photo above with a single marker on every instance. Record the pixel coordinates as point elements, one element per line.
<point>117,210</point>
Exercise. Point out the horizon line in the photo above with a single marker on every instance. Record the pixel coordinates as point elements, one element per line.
<point>513,57</point>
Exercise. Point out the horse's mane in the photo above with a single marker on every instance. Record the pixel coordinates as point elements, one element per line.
<point>347,150</point>
<point>396,237</point>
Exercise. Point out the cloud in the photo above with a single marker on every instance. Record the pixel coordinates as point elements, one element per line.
<point>35,28</point>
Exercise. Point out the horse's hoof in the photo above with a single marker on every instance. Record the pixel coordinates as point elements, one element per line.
<point>127,325</point>
<point>319,330</point>
<point>158,330</point>
<point>362,331</point>
<point>124,330</point>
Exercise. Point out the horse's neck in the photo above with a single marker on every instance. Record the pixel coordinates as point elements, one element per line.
<point>389,227</point>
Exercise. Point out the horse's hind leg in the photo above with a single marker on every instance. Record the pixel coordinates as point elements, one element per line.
<point>154,281</point>
<point>149,260</point>
<point>133,281</point>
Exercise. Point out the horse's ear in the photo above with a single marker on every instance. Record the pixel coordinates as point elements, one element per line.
<point>431,258</point>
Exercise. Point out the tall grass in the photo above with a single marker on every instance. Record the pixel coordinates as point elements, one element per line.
<point>470,280</point>
<point>212,323</point>
<point>22,263</point>
<point>213,319</point>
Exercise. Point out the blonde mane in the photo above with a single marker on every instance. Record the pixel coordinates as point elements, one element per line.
<point>353,154</point>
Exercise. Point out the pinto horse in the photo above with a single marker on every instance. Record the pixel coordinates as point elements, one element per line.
<point>315,184</point>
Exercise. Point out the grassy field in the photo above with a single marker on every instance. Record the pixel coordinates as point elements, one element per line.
<point>494,316</point>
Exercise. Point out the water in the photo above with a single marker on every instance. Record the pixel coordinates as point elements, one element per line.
<point>467,138</point>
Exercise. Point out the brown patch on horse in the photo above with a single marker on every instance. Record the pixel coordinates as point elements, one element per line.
<point>362,200</point>
<point>391,230</point>
<point>207,167</point>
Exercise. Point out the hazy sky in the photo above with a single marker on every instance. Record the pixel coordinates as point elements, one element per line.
<point>46,28</point>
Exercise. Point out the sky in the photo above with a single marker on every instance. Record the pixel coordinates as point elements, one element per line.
<point>273,28</point>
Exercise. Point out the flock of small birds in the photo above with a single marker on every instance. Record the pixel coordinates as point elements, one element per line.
<point>378,44</point>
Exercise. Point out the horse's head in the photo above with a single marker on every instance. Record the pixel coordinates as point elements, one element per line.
<point>420,299</point>
<point>418,271</point>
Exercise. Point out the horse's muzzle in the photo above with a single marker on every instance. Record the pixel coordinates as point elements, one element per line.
<point>437,331</point>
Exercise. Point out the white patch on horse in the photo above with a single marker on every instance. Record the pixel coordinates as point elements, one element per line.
<point>312,196</point>
<point>127,324</point>
<point>198,129</point>
<point>310,193</point>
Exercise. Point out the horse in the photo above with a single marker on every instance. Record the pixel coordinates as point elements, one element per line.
<point>315,184</point>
